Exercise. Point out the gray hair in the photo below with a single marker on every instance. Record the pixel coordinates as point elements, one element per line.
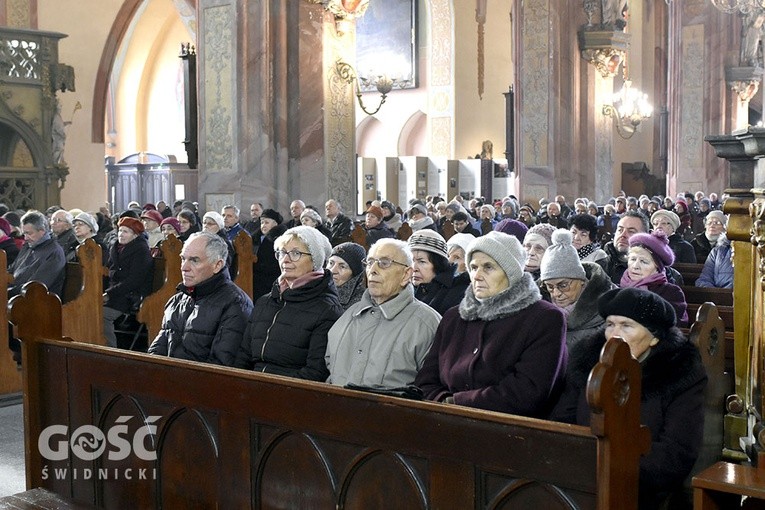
<point>216,248</point>
<point>402,246</point>
<point>66,215</point>
<point>36,219</point>
<point>229,206</point>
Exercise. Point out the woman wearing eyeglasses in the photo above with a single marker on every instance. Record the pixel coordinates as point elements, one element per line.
<point>504,348</point>
<point>287,331</point>
<point>573,286</point>
<point>714,227</point>
<point>669,222</point>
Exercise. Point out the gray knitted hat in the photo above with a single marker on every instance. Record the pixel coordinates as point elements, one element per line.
<point>89,220</point>
<point>505,249</point>
<point>428,240</point>
<point>316,242</point>
<point>561,260</point>
<point>671,217</point>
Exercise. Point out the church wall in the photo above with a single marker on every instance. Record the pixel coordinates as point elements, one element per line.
<point>87,23</point>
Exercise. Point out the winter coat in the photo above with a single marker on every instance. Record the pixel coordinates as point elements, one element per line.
<point>43,263</point>
<point>380,231</point>
<point>616,264</point>
<point>340,228</point>
<point>444,291</point>
<point>584,320</point>
<point>130,274</point>
<point>718,268</point>
<point>684,252</point>
<point>69,243</point>
<point>672,406</point>
<point>265,270</point>
<point>394,222</point>
<point>351,291</point>
<point>506,353</point>
<point>11,250</point>
<point>381,345</point>
<point>205,323</point>
<point>287,331</point>
<point>702,246</point>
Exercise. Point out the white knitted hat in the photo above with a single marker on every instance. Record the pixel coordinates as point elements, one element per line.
<point>316,242</point>
<point>460,240</point>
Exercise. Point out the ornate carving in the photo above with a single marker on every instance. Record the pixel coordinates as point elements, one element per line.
<point>757,213</point>
<point>606,61</point>
<point>219,51</point>
<point>62,77</point>
<point>605,49</point>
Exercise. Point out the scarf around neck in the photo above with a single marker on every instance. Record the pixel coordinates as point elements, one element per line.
<point>644,282</point>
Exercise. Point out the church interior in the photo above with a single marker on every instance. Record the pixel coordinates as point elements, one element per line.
<point>104,102</point>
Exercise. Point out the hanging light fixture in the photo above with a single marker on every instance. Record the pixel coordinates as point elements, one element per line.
<point>744,7</point>
<point>628,108</point>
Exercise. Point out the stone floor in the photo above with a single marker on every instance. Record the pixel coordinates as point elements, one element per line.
<point>12,478</point>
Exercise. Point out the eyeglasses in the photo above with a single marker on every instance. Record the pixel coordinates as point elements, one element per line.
<point>714,223</point>
<point>561,286</point>
<point>293,254</point>
<point>383,263</point>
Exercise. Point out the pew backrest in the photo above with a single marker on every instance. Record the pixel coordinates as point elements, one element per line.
<point>10,375</point>
<point>153,305</point>
<point>82,311</point>
<point>245,258</point>
<point>253,447</point>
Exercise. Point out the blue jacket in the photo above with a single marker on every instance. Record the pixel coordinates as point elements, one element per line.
<point>718,268</point>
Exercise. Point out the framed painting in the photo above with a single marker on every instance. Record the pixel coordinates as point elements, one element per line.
<point>386,43</point>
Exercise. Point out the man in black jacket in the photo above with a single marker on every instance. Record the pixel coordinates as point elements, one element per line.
<point>205,320</point>
<point>339,224</point>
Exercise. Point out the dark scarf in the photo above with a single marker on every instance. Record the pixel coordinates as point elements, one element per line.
<point>585,250</point>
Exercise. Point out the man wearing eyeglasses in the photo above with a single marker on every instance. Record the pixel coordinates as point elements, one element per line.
<point>382,340</point>
<point>61,223</point>
<point>205,320</point>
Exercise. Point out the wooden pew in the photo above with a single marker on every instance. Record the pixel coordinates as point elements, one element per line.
<point>230,438</point>
<point>447,231</point>
<point>720,297</point>
<point>83,312</point>
<point>245,259</point>
<point>10,375</point>
<point>167,276</point>
<point>405,232</point>
<point>690,272</point>
<point>359,236</point>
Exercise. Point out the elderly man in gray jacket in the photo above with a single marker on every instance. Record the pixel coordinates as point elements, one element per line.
<point>382,340</point>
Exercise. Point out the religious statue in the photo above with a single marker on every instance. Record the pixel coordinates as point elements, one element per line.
<point>612,14</point>
<point>487,150</point>
<point>58,135</point>
<point>751,39</point>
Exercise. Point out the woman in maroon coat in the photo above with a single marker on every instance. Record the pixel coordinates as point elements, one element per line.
<point>503,348</point>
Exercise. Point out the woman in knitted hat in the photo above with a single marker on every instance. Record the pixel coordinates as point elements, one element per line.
<point>434,279</point>
<point>266,270</point>
<point>456,248</point>
<point>130,274</point>
<point>213,223</point>
<point>584,231</point>
<point>683,212</point>
<point>311,218</point>
<point>504,348</point>
<point>718,267</point>
<point>648,255</point>
<point>376,229</point>
<point>391,218</point>
<point>347,268</point>
<point>715,224</point>
<point>537,240</point>
<point>169,226</point>
<point>573,286</point>
<point>287,332</point>
<point>672,388</point>
<point>85,227</point>
<point>669,222</point>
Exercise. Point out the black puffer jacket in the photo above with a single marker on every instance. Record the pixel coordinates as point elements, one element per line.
<point>205,323</point>
<point>130,274</point>
<point>11,250</point>
<point>444,291</point>
<point>265,270</point>
<point>287,333</point>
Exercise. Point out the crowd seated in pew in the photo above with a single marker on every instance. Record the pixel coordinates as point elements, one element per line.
<point>340,450</point>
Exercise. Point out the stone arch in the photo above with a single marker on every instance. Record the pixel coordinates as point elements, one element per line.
<point>412,140</point>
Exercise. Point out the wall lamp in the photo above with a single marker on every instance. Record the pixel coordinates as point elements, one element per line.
<point>383,84</point>
<point>628,109</point>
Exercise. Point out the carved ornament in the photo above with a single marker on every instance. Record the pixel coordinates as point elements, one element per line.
<point>604,49</point>
<point>757,213</point>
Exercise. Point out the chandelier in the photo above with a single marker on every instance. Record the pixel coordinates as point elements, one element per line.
<point>628,108</point>
<point>744,7</point>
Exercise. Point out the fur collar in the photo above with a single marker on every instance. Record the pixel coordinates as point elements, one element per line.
<point>519,296</point>
<point>586,306</point>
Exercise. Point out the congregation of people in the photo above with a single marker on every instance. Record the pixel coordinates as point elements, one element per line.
<point>500,306</point>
